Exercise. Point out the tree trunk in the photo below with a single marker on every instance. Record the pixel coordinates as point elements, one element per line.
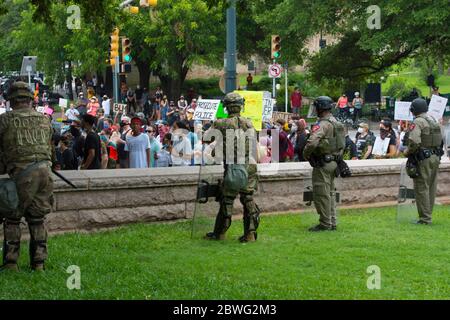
<point>144,74</point>
<point>172,86</point>
<point>70,80</point>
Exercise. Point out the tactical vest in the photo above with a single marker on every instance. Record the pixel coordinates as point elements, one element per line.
<point>336,143</point>
<point>26,137</point>
<point>433,138</point>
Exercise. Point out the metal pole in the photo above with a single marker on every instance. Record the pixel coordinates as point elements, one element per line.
<point>286,85</point>
<point>116,80</point>
<point>274,85</point>
<point>230,80</point>
<point>29,79</point>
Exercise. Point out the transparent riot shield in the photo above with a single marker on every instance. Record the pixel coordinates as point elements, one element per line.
<point>447,142</point>
<point>406,208</point>
<point>206,205</point>
<point>209,182</point>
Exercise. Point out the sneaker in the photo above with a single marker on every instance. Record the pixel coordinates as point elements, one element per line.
<point>213,236</point>
<point>10,267</point>
<point>319,227</point>
<point>249,237</point>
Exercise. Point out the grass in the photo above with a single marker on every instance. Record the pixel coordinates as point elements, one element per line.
<point>160,261</point>
<point>414,79</point>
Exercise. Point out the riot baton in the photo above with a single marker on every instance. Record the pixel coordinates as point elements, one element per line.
<point>63,179</point>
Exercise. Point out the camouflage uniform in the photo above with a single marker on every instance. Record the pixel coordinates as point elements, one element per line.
<point>424,141</point>
<point>26,152</point>
<point>233,103</point>
<point>325,144</point>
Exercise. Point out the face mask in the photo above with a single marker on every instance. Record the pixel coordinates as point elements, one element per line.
<point>383,133</point>
<point>360,130</point>
<point>294,129</point>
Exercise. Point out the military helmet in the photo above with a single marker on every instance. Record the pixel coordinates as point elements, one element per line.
<point>233,102</point>
<point>419,106</point>
<point>19,89</point>
<point>323,103</point>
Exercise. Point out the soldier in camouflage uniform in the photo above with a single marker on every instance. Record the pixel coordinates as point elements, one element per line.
<point>424,141</point>
<point>26,153</point>
<point>233,103</point>
<point>323,149</point>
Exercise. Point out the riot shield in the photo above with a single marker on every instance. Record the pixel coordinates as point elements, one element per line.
<point>447,142</point>
<point>406,208</point>
<point>206,205</point>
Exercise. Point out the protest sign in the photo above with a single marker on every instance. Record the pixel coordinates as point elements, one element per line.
<point>402,111</point>
<point>437,107</point>
<point>253,108</point>
<point>206,110</point>
<point>2,110</point>
<point>40,109</point>
<point>63,103</point>
<point>119,107</point>
<point>268,104</point>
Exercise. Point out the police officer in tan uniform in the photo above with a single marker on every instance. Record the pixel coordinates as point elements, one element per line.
<point>324,148</point>
<point>424,141</point>
<point>26,154</point>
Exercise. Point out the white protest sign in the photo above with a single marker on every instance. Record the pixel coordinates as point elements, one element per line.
<point>119,107</point>
<point>437,107</point>
<point>40,109</point>
<point>402,111</point>
<point>268,109</point>
<point>206,110</point>
<point>63,103</point>
<point>2,110</point>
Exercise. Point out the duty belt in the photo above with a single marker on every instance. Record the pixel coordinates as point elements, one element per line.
<point>423,154</point>
<point>329,158</point>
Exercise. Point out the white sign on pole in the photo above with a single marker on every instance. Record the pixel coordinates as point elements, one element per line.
<point>63,103</point>
<point>275,71</point>
<point>206,110</point>
<point>119,107</point>
<point>267,109</point>
<point>402,111</point>
<point>437,107</point>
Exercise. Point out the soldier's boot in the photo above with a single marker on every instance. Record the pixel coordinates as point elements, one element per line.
<point>251,219</point>
<point>38,244</point>
<point>223,220</point>
<point>320,227</point>
<point>11,244</point>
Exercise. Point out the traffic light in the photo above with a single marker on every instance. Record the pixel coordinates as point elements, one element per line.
<point>126,50</point>
<point>276,47</point>
<point>113,47</point>
<point>148,3</point>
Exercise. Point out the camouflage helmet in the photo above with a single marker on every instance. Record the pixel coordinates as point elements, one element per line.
<point>233,102</point>
<point>19,89</point>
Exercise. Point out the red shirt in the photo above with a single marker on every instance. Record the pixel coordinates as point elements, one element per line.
<point>296,99</point>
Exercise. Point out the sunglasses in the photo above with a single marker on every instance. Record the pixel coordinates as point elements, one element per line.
<point>150,131</point>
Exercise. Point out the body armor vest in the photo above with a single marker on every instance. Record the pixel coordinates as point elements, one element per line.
<point>336,143</point>
<point>431,136</point>
<point>26,137</point>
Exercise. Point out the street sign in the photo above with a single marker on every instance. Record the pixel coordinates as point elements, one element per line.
<point>275,71</point>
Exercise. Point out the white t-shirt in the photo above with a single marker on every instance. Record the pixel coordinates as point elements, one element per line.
<point>137,150</point>
<point>181,148</point>
<point>106,106</point>
<point>72,114</point>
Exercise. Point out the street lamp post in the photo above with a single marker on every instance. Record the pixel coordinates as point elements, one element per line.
<point>230,81</point>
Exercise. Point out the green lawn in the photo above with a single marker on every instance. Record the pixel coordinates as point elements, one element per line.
<point>160,261</point>
<point>413,78</point>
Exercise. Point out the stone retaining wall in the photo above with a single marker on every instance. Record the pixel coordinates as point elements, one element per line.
<point>108,198</point>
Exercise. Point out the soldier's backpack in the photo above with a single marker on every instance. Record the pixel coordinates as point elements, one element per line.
<point>9,199</point>
<point>236,177</point>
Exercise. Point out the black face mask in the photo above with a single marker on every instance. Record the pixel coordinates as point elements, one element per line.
<point>384,133</point>
<point>74,132</point>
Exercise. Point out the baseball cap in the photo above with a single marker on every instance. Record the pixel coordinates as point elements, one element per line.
<point>125,119</point>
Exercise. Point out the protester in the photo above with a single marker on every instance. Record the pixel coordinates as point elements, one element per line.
<point>68,161</point>
<point>164,157</point>
<point>125,131</point>
<point>385,145</point>
<point>92,151</point>
<point>93,106</point>
<point>182,148</point>
<point>365,140</point>
<point>155,146</point>
<point>138,146</point>
<point>296,100</point>
<point>182,103</point>
<point>106,105</point>
<point>357,104</point>
<point>342,104</point>
<point>72,114</point>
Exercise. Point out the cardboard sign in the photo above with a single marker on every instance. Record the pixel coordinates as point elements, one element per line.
<point>402,111</point>
<point>119,107</point>
<point>206,110</point>
<point>63,103</point>
<point>268,104</point>
<point>437,107</point>
<point>48,111</point>
<point>40,109</point>
<point>253,108</point>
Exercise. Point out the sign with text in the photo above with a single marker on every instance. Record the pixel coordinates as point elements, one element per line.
<point>206,110</point>
<point>437,107</point>
<point>402,111</point>
<point>119,107</point>
<point>268,104</point>
<point>63,103</point>
<point>40,109</point>
<point>253,107</point>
